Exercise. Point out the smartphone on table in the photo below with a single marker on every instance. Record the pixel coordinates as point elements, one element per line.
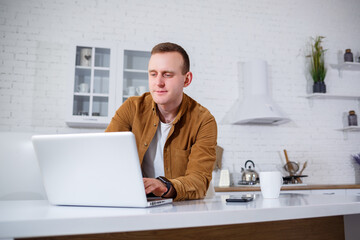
<point>241,198</point>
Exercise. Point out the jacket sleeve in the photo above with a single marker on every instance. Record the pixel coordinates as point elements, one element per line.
<point>200,166</point>
<point>122,120</point>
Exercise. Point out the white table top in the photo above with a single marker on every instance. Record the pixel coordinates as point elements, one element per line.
<point>38,218</point>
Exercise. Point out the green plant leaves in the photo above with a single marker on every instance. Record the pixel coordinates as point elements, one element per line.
<point>317,62</point>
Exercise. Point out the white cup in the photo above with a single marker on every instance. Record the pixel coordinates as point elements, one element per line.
<point>270,184</point>
<point>141,90</point>
<point>83,88</point>
<point>224,178</point>
<point>131,91</point>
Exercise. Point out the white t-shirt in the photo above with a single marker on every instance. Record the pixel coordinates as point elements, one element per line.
<point>153,164</point>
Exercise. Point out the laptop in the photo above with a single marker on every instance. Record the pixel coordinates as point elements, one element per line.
<point>92,169</point>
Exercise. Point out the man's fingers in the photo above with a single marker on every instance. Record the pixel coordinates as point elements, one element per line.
<point>153,185</point>
<point>147,185</point>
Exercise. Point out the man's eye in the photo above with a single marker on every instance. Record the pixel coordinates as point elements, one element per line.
<point>153,74</point>
<point>167,75</point>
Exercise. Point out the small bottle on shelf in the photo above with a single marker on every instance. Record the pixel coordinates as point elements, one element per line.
<point>352,118</point>
<point>348,56</point>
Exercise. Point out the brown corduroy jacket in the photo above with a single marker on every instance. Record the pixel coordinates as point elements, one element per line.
<point>189,151</point>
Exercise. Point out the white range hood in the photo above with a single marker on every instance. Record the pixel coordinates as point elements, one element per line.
<point>257,107</point>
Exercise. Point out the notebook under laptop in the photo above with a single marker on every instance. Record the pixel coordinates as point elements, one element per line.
<point>92,169</point>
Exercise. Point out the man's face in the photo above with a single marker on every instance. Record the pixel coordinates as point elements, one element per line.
<point>166,81</point>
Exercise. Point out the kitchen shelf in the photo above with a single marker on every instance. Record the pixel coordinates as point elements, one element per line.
<point>336,96</point>
<point>345,66</point>
<point>92,95</point>
<point>332,96</point>
<point>82,67</point>
<point>95,68</point>
<point>348,66</point>
<point>135,71</point>
<point>350,129</point>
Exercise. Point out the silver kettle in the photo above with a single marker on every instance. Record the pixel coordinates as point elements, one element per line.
<point>249,175</point>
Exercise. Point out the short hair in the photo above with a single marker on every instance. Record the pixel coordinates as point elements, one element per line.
<point>172,47</point>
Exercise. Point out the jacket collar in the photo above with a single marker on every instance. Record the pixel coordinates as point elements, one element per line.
<point>182,110</point>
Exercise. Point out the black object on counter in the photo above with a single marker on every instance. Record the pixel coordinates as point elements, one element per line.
<point>352,118</point>
<point>243,198</point>
<point>348,56</point>
<point>292,179</point>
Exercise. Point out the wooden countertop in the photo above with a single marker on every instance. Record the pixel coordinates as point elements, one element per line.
<point>247,188</point>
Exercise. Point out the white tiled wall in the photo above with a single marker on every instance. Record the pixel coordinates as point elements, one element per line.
<point>36,38</point>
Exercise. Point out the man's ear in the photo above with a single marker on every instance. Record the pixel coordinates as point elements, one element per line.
<point>188,79</point>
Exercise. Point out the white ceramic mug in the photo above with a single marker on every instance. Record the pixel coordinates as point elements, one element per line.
<point>83,88</point>
<point>141,90</point>
<point>270,184</point>
<point>131,91</point>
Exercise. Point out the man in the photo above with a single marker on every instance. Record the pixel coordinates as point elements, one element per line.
<point>175,136</point>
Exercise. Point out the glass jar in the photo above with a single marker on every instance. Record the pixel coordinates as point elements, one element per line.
<point>348,56</point>
<point>352,118</point>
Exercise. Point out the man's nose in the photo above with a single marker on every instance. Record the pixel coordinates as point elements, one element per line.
<point>159,80</point>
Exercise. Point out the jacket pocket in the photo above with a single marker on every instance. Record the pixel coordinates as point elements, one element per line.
<point>179,162</point>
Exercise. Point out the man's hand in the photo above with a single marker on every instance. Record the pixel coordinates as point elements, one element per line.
<point>155,186</point>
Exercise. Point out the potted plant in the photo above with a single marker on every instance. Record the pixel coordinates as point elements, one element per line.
<point>317,67</point>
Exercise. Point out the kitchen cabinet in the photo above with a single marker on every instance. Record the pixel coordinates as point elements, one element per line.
<point>135,73</point>
<point>240,192</point>
<point>296,191</point>
<point>259,192</point>
<point>329,191</point>
<point>343,189</point>
<point>102,78</point>
<point>353,192</point>
<point>92,87</point>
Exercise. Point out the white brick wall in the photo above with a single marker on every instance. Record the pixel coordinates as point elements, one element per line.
<point>36,38</point>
